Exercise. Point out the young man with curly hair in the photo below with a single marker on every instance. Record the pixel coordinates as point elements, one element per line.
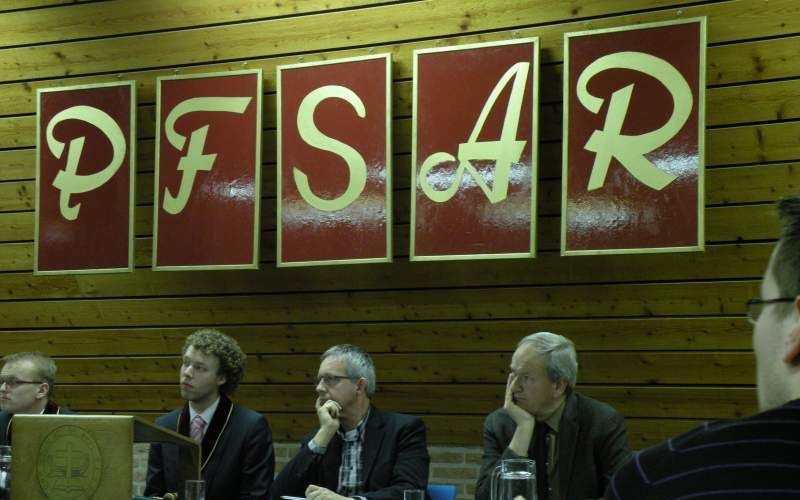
<point>236,455</point>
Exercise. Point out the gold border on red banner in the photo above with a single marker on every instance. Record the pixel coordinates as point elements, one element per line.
<point>534,145</point>
<point>257,174</point>
<point>388,155</point>
<point>700,245</point>
<point>131,155</point>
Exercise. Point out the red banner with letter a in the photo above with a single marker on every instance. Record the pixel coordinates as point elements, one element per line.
<point>334,163</point>
<point>208,171</point>
<point>85,150</point>
<point>633,139</point>
<point>474,151</point>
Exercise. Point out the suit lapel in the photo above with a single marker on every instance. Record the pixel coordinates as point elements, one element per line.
<point>331,462</point>
<point>373,439</point>
<point>568,431</point>
<point>182,425</point>
<point>216,428</point>
<point>8,429</point>
<point>51,408</point>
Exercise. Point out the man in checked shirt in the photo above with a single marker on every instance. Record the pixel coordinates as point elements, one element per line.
<point>357,451</point>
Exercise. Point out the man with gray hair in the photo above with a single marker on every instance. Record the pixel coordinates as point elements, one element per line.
<point>357,451</point>
<point>26,388</point>
<point>577,442</point>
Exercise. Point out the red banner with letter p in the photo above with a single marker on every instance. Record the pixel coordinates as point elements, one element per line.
<point>85,153</point>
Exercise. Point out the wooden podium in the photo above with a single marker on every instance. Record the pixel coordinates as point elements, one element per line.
<point>86,457</point>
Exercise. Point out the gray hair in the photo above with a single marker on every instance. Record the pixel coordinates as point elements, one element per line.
<point>358,363</point>
<point>43,365</point>
<point>562,362</point>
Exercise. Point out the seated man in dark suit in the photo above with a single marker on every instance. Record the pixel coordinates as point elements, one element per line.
<point>357,451</point>
<point>237,459</point>
<point>577,442</point>
<point>755,457</point>
<point>26,388</point>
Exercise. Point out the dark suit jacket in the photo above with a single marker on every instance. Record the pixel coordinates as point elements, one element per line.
<point>591,446</point>
<point>237,459</point>
<point>395,458</point>
<point>5,420</point>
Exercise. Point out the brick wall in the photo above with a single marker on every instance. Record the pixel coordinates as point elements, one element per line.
<point>449,465</point>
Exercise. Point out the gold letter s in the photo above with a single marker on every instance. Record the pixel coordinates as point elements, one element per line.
<point>311,134</point>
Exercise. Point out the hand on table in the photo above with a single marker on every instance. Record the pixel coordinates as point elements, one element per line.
<point>314,492</point>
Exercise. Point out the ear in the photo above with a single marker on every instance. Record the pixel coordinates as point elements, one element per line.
<point>361,385</point>
<point>44,388</point>
<point>221,379</point>
<point>791,354</point>
<point>561,387</point>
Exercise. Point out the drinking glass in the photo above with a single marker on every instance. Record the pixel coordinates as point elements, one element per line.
<point>5,472</point>
<point>514,478</point>
<point>195,489</point>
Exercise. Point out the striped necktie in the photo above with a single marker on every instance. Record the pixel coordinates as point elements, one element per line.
<point>196,429</point>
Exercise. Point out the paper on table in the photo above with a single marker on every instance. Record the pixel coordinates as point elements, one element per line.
<point>287,497</point>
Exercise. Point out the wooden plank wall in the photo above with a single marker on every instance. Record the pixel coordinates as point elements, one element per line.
<point>661,337</point>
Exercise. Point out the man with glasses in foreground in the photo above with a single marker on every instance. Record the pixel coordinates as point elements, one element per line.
<point>26,388</point>
<point>357,451</point>
<point>577,442</point>
<point>755,457</point>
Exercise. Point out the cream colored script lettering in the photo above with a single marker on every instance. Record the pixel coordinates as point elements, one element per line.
<point>629,150</point>
<point>310,133</point>
<point>194,160</point>
<point>68,181</point>
<point>505,152</point>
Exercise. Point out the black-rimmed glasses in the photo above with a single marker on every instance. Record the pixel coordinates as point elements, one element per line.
<point>755,306</point>
<point>330,380</point>
<point>13,382</point>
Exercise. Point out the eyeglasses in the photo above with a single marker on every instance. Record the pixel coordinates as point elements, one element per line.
<point>755,306</point>
<point>12,382</point>
<point>331,380</point>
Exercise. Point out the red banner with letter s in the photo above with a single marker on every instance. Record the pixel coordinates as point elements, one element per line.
<point>334,162</point>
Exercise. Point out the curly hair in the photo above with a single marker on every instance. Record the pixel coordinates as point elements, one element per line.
<point>226,349</point>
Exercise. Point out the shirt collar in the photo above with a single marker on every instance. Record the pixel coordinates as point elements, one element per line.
<point>554,420</point>
<point>358,432</point>
<point>207,414</point>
